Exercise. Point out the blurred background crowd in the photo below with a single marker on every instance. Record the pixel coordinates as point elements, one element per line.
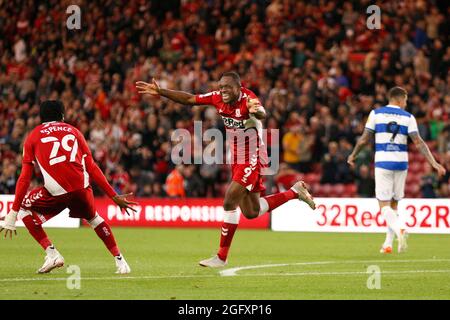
<point>315,65</point>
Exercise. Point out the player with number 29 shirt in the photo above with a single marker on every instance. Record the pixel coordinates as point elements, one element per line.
<point>66,164</point>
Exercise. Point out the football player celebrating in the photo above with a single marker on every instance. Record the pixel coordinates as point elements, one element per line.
<point>241,112</point>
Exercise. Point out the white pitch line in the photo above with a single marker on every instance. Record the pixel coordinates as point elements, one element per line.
<point>118,277</point>
<point>233,271</point>
<point>343,273</point>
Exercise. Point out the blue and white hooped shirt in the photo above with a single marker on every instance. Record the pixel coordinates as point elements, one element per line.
<point>391,126</point>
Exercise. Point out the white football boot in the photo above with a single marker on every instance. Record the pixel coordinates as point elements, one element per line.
<point>53,260</point>
<point>386,250</point>
<point>303,194</point>
<point>214,262</point>
<point>122,265</point>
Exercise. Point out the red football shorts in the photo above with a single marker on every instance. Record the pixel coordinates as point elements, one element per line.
<point>249,176</point>
<point>247,156</point>
<point>44,206</point>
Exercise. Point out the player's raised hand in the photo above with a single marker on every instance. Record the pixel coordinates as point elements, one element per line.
<point>124,204</point>
<point>440,170</point>
<point>253,105</point>
<point>150,88</point>
<point>351,160</point>
<point>10,224</point>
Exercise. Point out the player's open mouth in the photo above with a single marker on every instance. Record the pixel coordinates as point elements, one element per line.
<point>225,96</point>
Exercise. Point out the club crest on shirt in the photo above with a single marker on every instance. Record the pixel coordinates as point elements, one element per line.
<point>238,112</point>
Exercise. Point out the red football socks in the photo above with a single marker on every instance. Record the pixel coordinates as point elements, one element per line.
<point>36,231</point>
<point>104,232</point>
<point>231,220</point>
<point>227,233</point>
<point>277,199</point>
<point>229,226</point>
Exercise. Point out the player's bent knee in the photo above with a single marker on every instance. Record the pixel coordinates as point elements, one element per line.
<point>23,213</point>
<point>251,214</point>
<point>96,221</point>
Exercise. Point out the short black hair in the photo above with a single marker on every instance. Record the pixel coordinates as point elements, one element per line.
<point>51,110</point>
<point>233,75</point>
<point>396,93</point>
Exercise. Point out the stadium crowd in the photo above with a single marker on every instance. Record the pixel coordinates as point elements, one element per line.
<point>315,65</point>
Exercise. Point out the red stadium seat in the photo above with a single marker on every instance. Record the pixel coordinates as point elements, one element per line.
<point>338,190</point>
<point>316,189</point>
<point>412,190</point>
<point>415,167</point>
<point>347,195</point>
<point>413,178</point>
<point>413,157</point>
<point>316,167</point>
<point>312,178</point>
<point>431,144</point>
<point>351,189</point>
<point>421,158</point>
<point>326,190</point>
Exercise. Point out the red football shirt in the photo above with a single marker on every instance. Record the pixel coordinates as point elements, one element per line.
<point>64,158</point>
<point>237,120</point>
<point>235,115</point>
<point>59,150</point>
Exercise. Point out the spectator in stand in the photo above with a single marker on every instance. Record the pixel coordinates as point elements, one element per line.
<point>286,177</point>
<point>444,140</point>
<point>193,182</point>
<point>121,180</point>
<point>8,178</point>
<point>444,191</point>
<point>329,164</point>
<point>344,173</point>
<point>306,150</point>
<point>429,182</point>
<point>175,187</point>
<point>292,141</point>
<point>365,183</point>
<point>210,174</point>
<point>446,164</point>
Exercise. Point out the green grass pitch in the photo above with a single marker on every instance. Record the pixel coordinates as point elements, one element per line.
<point>164,266</point>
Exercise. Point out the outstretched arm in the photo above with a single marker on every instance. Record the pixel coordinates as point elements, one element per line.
<point>423,148</point>
<point>100,179</point>
<point>25,175</point>
<point>365,139</point>
<point>22,185</point>
<point>97,175</point>
<point>154,89</point>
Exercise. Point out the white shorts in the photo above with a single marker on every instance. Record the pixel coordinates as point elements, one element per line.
<point>390,184</point>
